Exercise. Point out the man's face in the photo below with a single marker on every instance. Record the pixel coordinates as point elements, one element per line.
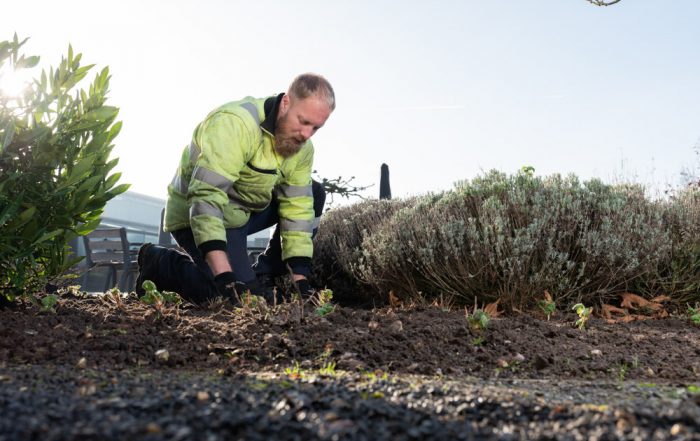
<point>297,121</point>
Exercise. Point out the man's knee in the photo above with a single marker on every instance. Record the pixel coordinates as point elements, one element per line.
<point>319,197</point>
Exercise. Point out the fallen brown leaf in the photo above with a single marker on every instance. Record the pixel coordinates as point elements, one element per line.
<point>633,301</point>
<point>394,300</point>
<point>492,309</point>
<point>608,311</point>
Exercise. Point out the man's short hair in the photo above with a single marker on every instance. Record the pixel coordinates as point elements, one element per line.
<point>311,84</point>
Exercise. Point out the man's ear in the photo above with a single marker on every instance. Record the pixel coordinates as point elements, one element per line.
<point>284,104</point>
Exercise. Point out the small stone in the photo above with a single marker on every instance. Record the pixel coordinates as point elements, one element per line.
<point>153,428</point>
<point>82,363</point>
<point>212,358</point>
<point>162,355</point>
<point>339,403</point>
<point>676,429</point>
<point>330,416</point>
<point>650,372</point>
<point>202,396</point>
<point>396,326</point>
<point>596,352</point>
<point>373,325</point>
<point>519,358</point>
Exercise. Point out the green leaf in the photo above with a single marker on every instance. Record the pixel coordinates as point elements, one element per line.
<point>81,169</point>
<point>47,236</point>
<point>9,130</point>
<point>117,190</point>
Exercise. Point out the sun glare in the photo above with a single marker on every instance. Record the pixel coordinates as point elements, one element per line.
<point>13,83</point>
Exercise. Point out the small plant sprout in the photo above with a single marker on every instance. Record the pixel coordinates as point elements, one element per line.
<point>694,315</point>
<point>478,321</point>
<point>48,303</point>
<point>323,301</point>
<point>159,300</point>
<point>294,372</point>
<point>547,305</point>
<point>583,315</point>
<point>250,300</point>
<point>327,369</point>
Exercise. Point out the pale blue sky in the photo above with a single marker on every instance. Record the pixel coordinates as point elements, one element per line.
<point>440,90</point>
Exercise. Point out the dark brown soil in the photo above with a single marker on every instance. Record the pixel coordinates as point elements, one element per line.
<point>90,346</point>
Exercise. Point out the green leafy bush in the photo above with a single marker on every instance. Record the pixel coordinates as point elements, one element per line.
<point>511,237</point>
<point>54,168</point>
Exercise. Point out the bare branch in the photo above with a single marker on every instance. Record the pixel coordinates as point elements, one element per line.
<point>603,2</point>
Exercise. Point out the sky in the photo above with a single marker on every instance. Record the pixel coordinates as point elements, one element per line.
<point>441,90</point>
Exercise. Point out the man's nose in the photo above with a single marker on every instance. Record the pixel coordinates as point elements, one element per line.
<point>306,132</point>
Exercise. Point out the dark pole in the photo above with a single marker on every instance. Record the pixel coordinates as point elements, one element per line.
<point>384,187</point>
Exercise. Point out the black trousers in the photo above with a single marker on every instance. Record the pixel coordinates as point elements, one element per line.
<point>188,274</point>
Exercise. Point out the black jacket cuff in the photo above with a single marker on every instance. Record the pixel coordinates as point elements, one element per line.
<point>300,265</point>
<point>212,245</point>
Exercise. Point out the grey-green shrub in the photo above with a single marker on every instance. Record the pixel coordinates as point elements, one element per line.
<point>337,246</point>
<point>512,237</point>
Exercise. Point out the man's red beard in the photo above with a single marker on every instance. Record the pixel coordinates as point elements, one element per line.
<point>286,145</point>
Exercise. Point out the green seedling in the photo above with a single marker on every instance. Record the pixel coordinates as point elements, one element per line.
<point>693,389</point>
<point>250,300</point>
<point>48,303</point>
<point>295,372</point>
<point>547,305</point>
<point>478,341</point>
<point>583,315</point>
<point>323,301</point>
<point>478,321</point>
<point>694,315</point>
<point>158,300</point>
<point>327,369</point>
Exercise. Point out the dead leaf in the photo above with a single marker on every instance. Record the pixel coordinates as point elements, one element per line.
<point>393,299</point>
<point>661,299</point>
<point>633,301</point>
<point>492,309</point>
<point>609,310</point>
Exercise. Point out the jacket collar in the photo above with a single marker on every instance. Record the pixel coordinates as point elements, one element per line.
<point>271,108</point>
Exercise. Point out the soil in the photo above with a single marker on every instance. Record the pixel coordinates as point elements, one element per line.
<point>103,367</point>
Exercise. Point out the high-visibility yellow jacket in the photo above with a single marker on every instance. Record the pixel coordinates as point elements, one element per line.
<point>230,169</point>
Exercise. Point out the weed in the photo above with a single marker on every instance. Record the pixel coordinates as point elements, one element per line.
<point>694,315</point>
<point>478,341</point>
<point>158,300</point>
<point>327,369</point>
<point>478,321</point>
<point>48,303</point>
<point>324,307</point>
<point>295,372</point>
<point>547,305</point>
<point>693,389</point>
<point>622,372</point>
<point>583,315</point>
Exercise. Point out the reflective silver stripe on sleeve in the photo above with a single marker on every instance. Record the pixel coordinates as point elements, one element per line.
<point>294,191</point>
<point>178,184</point>
<point>317,222</point>
<point>194,153</point>
<point>297,225</point>
<point>212,178</point>
<point>250,107</point>
<point>201,207</point>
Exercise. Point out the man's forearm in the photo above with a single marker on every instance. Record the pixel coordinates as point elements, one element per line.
<point>218,262</point>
